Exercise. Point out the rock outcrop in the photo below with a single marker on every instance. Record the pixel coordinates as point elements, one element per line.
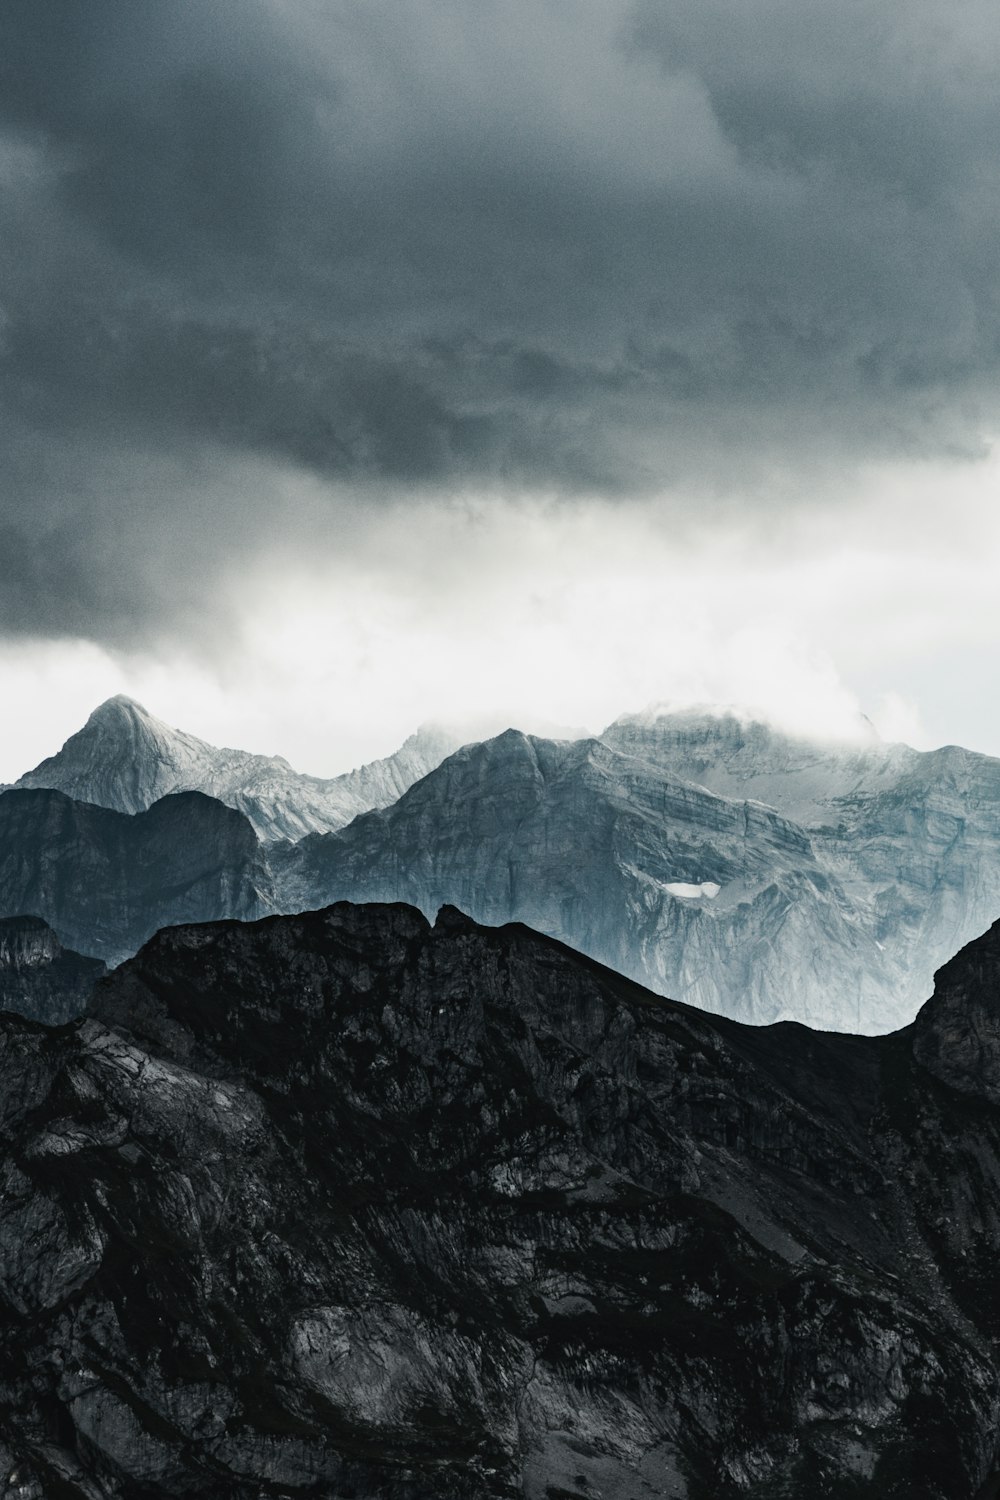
<point>39,978</point>
<point>712,859</point>
<point>343,1204</point>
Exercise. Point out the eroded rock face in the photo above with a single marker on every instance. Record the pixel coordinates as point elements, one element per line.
<point>722,902</point>
<point>345,1204</point>
<point>39,978</point>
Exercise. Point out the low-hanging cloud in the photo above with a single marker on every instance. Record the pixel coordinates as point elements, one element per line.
<point>575,247</point>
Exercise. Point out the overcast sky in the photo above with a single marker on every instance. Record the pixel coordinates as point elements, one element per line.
<point>364,362</point>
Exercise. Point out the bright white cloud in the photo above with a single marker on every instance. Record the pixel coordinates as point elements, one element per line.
<point>539,614</point>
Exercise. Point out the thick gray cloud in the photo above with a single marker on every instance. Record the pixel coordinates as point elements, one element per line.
<point>581,246</point>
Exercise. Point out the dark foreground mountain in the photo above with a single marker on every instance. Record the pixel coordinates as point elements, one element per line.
<point>342,1205</point>
<point>105,881</point>
<point>39,978</point>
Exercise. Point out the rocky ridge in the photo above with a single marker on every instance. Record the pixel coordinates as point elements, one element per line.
<point>707,856</point>
<point>343,1204</point>
<point>726,903</point>
<point>126,759</point>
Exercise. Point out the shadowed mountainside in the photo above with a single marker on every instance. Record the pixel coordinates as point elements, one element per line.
<point>105,881</point>
<point>39,978</point>
<point>346,1204</point>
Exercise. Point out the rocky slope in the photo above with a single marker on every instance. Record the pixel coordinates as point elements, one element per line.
<point>105,881</point>
<point>707,856</point>
<point>39,978</point>
<point>722,902</point>
<point>343,1204</point>
<point>911,837</point>
<point>125,759</point>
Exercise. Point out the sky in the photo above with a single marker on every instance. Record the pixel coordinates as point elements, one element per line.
<point>366,364</point>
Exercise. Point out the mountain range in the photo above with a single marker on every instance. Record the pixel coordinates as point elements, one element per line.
<point>126,759</point>
<point>706,855</point>
<point>344,1204</point>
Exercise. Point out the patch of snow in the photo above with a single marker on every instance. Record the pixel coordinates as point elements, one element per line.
<point>693,892</point>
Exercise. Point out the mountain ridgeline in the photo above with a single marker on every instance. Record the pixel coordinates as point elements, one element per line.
<point>125,759</point>
<point>105,881</point>
<point>346,1204</point>
<point>707,856</point>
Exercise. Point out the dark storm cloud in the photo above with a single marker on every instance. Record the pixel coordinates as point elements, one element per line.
<point>571,245</point>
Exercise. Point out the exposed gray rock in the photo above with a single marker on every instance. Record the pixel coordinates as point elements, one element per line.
<point>711,858</point>
<point>725,903</point>
<point>126,759</point>
<point>345,1205</point>
<point>912,838</point>
<point>707,856</point>
<point>39,978</point>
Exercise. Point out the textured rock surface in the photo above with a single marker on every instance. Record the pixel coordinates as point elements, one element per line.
<point>709,857</point>
<point>591,845</point>
<point>912,837</point>
<point>653,851</point>
<point>39,978</point>
<point>125,759</point>
<point>105,881</point>
<point>341,1205</point>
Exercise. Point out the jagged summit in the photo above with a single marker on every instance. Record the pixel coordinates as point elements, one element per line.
<point>119,705</point>
<point>126,759</point>
<point>728,720</point>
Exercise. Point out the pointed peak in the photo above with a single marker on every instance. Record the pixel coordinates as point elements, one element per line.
<point>118,707</point>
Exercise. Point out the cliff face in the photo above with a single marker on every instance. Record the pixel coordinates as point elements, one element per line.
<point>346,1204</point>
<point>39,978</point>
<point>709,857</point>
<point>912,838</point>
<point>724,903</point>
<point>105,881</point>
<point>655,851</point>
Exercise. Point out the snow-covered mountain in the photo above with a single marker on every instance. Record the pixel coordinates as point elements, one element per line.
<point>125,759</point>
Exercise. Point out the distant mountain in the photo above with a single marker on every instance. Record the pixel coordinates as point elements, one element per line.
<point>722,902</point>
<point>654,851</point>
<point>731,753</point>
<point>346,1205</point>
<point>106,881</point>
<point>125,759</point>
<point>706,855</point>
<point>39,978</point>
<point>912,838</point>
